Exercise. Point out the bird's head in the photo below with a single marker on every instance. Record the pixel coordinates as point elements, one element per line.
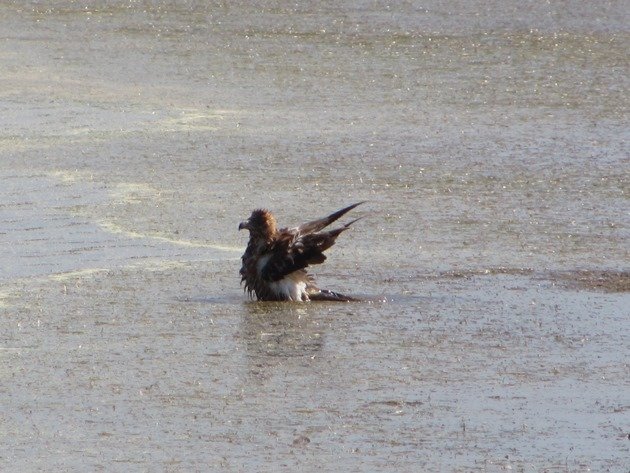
<point>261,223</point>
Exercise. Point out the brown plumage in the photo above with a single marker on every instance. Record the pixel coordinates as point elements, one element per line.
<point>275,261</point>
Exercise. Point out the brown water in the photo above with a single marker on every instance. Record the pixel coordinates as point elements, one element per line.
<point>491,141</point>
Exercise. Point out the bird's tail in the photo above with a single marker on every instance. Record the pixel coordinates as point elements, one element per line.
<point>325,295</point>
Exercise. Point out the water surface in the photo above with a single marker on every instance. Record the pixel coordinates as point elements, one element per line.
<point>490,140</point>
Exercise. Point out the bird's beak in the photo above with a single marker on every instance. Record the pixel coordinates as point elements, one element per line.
<point>244,224</point>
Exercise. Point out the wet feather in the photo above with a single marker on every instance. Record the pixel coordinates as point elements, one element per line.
<point>275,260</point>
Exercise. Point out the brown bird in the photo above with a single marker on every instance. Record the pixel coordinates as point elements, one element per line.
<point>275,261</point>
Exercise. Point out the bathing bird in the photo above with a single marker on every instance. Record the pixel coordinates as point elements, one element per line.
<point>275,260</point>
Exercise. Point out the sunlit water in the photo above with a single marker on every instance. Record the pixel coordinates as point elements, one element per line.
<point>491,142</point>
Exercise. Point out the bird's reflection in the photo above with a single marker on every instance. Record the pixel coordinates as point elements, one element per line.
<point>281,330</point>
<point>279,333</point>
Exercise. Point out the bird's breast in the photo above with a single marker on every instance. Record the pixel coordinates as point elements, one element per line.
<point>290,289</point>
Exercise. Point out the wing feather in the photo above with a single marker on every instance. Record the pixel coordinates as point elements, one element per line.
<point>321,223</point>
<point>293,251</point>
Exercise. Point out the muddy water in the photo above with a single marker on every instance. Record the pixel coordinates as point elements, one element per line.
<point>491,142</point>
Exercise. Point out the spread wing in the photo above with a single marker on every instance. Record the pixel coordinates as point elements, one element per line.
<point>321,223</point>
<point>292,250</point>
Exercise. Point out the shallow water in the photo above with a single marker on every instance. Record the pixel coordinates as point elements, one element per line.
<point>490,140</point>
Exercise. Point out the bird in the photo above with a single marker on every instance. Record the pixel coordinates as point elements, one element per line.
<point>275,260</point>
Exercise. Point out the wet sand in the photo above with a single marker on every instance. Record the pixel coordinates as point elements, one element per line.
<point>606,281</point>
<point>491,143</point>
